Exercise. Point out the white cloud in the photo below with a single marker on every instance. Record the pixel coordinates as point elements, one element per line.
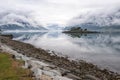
<point>55,11</point>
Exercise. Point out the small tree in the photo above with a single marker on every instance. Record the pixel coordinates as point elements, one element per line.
<point>0,30</point>
<point>78,28</point>
<point>75,28</point>
<point>85,29</point>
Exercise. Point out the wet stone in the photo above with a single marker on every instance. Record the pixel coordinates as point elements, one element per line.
<point>90,77</point>
<point>74,77</point>
<point>29,66</point>
<point>45,77</point>
<point>118,77</point>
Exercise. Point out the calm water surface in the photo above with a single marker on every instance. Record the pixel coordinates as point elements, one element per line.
<point>100,49</point>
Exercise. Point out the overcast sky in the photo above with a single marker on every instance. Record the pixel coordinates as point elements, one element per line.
<point>56,11</point>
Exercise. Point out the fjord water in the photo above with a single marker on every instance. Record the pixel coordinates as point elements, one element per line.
<point>100,49</point>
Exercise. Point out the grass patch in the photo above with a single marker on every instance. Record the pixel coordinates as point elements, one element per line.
<point>11,69</point>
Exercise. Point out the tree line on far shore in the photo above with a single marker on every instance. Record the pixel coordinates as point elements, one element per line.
<point>77,29</point>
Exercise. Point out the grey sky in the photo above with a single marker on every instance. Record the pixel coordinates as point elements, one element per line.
<point>56,11</point>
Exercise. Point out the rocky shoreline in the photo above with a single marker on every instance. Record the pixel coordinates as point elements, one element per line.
<point>76,70</point>
<point>39,70</point>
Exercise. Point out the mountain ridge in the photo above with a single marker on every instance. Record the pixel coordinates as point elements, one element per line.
<point>17,21</point>
<point>97,20</point>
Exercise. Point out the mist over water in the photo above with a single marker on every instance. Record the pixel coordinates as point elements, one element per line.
<point>100,49</point>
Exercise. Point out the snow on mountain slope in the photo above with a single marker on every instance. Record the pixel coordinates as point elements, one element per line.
<point>96,19</point>
<point>18,20</point>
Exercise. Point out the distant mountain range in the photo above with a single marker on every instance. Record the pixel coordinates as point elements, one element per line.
<point>18,27</point>
<point>97,21</point>
<point>18,21</point>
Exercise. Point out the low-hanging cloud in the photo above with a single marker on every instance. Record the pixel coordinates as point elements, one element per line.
<point>103,17</point>
<point>45,12</point>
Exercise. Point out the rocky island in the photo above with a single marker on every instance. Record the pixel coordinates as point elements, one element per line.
<point>79,30</point>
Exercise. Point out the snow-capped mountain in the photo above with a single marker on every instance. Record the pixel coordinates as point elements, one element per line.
<point>18,21</point>
<point>98,20</point>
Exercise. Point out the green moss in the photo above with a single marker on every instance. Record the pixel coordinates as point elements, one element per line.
<point>10,69</point>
